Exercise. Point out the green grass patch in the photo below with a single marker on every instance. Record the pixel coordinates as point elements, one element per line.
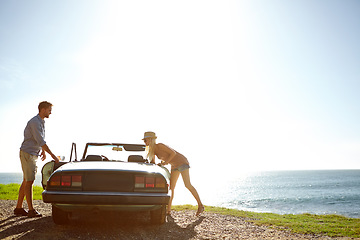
<point>11,191</point>
<point>330,225</point>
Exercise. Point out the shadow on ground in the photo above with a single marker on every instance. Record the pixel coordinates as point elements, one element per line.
<point>97,226</point>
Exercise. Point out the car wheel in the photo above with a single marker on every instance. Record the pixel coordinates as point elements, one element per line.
<point>59,216</point>
<point>158,216</point>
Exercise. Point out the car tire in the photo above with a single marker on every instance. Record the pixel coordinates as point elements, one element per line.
<point>59,216</point>
<point>158,216</point>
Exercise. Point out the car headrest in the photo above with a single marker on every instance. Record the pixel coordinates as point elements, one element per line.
<point>136,158</point>
<point>93,158</point>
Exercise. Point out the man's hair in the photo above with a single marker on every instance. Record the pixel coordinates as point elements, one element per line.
<point>44,104</point>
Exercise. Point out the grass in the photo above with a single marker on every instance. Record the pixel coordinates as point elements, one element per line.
<point>330,225</point>
<point>11,191</point>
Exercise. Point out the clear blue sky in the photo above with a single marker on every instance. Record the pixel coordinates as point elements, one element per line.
<point>233,85</point>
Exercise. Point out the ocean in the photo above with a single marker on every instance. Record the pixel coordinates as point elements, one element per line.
<point>283,192</point>
<point>6,178</point>
<point>294,192</point>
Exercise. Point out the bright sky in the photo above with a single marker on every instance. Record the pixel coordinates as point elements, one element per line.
<point>233,85</point>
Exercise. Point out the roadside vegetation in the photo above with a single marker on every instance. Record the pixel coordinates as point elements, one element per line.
<point>11,191</point>
<point>330,225</point>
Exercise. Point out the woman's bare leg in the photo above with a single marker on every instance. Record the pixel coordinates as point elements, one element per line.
<point>173,179</point>
<point>186,178</point>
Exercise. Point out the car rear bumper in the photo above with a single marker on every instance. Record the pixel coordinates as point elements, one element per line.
<point>105,198</point>
<point>100,208</point>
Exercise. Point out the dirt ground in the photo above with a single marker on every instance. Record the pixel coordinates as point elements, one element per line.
<point>180,225</point>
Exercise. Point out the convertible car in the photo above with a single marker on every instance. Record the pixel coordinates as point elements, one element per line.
<point>108,177</point>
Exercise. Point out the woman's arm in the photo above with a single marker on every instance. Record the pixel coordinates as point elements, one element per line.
<point>171,152</point>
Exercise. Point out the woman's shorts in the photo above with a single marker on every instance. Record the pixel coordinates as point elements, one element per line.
<point>28,164</point>
<point>181,168</point>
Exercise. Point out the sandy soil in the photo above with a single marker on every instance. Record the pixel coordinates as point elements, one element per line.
<point>180,225</point>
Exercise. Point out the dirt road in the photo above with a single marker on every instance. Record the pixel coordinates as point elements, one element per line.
<point>180,225</point>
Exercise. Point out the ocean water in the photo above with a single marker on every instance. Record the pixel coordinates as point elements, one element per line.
<point>283,192</point>
<point>6,178</point>
<point>294,192</point>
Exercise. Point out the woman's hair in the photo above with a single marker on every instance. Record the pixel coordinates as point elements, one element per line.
<point>151,150</point>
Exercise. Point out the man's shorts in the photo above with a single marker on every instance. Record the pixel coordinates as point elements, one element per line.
<point>28,164</point>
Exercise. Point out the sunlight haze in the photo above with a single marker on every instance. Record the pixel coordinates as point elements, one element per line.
<point>235,86</point>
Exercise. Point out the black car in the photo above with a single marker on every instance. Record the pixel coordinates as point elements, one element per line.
<point>109,177</point>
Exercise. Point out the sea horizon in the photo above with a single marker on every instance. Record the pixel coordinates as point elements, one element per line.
<point>250,171</point>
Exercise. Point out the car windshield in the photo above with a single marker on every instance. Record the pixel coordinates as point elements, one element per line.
<point>116,152</point>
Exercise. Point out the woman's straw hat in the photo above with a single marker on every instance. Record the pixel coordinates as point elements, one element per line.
<point>149,135</point>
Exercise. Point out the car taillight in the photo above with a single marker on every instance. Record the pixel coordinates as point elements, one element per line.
<point>65,181</point>
<point>139,182</point>
<point>150,182</point>
<point>160,182</point>
<point>76,181</point>
<point>55,181</point>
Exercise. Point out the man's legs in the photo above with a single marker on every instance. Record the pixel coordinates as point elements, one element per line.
<point>28,164</point>
<point>28,189</point>
<point>21,195</point>
<point>25,191</point>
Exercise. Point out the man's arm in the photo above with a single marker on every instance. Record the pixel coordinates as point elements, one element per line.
<point>47,149</point>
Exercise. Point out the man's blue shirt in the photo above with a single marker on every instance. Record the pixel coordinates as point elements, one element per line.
<point>34,136</point>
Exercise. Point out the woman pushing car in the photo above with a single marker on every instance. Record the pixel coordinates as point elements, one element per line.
<point>179,165</point>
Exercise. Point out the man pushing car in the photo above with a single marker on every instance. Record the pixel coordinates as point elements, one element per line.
<point>34,142</point>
